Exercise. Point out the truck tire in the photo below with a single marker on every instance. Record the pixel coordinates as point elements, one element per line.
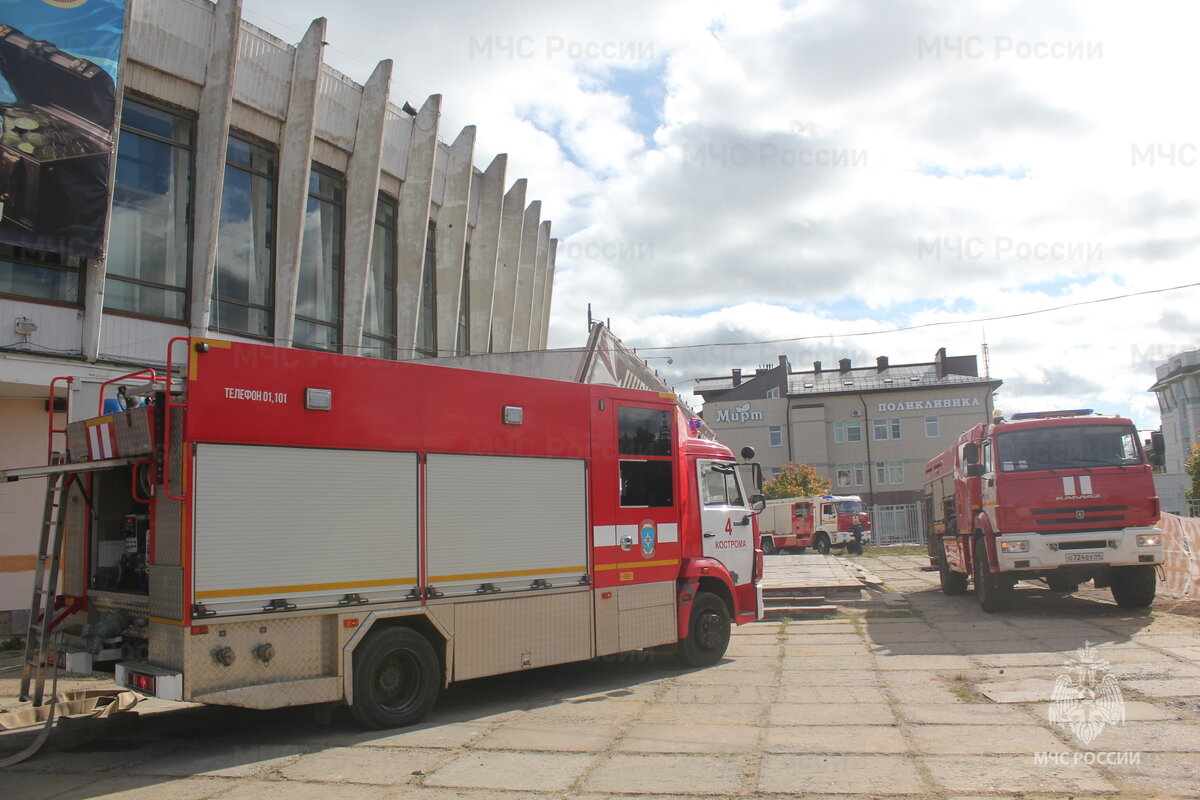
<point>822,543</point>
<point>1133,587</point>
<point>994,591</point>
<point>953,583</point>
<point>396,678</point>
<point>768,546</point>
<point>1059,584</point>
<point>708,632</point>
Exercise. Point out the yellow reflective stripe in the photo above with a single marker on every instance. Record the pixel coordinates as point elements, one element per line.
<point>192,354</point>
<point>515,573</point>
<point>630,565</point>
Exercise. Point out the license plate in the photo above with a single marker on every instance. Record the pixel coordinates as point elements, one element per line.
<point>1076,557</point>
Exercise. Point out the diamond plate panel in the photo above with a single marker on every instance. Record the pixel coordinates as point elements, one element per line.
<point>509,634</point>
<point>176,466</point>
<point>166,645</point>
<point>166,592</point>
<point>642,624</point>
<point>101,603</point>
<point>277,695</point>
<point>305,647</point>
<point>132,429</point>
<point>73,563</point>
<point>168,530</point>
<point>77,449</point>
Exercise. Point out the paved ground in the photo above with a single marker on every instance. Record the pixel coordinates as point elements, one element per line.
<point>869,706</point>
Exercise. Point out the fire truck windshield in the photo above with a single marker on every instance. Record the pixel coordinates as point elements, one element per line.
<point>850,507</point>
<point>1067,447</point>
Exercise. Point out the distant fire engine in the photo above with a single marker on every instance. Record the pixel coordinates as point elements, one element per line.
<point>1066,496</point>
<point>280,527</point>
<point>823,522</point>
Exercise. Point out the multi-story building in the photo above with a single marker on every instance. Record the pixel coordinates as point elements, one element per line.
<point>261,195</point>
<point>1177,386</point>
<point>869,430</point>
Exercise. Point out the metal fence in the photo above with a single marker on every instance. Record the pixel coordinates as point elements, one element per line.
<point>898,524</point>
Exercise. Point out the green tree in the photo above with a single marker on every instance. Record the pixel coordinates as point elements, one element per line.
<point>796,480</point>
<point>1193,468</point>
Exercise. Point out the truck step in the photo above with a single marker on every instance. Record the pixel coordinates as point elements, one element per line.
<point>792,600</point>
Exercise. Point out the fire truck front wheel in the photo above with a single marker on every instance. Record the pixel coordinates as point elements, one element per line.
<point>708,632</point>
<point>822,543</point>
<point>1133,587</point>
<point>993,590</point>
<point>768,546</point>
<point>396,678</point>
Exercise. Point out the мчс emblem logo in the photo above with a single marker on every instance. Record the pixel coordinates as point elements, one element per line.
<point>1087,697</point>
<point>648,536</point>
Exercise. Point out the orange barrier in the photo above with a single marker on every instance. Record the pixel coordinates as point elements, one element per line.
<point>1181,563</point>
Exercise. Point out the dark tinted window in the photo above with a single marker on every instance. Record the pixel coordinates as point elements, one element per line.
<point>646,483</point>
<point>644,431</point>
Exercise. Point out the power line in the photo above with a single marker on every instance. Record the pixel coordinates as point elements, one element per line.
<point>929,324</point>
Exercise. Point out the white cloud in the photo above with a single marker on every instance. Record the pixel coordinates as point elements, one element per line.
<point>829,167</point>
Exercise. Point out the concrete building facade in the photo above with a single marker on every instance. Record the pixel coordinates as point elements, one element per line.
<point>261,195</point>
<point>869,430</point>
<point>1177,386</point>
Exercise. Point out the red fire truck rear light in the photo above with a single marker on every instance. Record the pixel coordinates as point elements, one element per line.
<point>606,595</point>
<point>199,630</point>
<point>349,623</point>
<point>143,683</point>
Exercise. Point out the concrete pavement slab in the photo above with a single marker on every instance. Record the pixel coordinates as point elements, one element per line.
<point>1135,711</point>
<point>804,650</point>
<point>809,694</point>
<point>600,710</point>
<point>376,765</point>
<point>1163,737</point>
<point>145,787</point>
<point>799,775</point>
<point>920,662</point>
<point>43,786</point>
<point>565,736</point>
<point>1167,687</point>
<point>222,759</point>
<point>450,735</point>
<point>717,694</point>
<point>821,663</point>
<point>982,739</point>
<point>647,737</point>
<point>963,714</point>
<point>835,739</point>
<point>669,774</point>
<point>1012,774</point>
<point>826,713</point>
<point>714,677</point>
<point>529,772</point>
<point>824,677</point>
<point>713,713</point>
<point>806,639</point>
<point>301,790</point>
<point>1159,775</point>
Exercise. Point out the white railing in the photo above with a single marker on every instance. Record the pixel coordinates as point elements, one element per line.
<point>898,524</point>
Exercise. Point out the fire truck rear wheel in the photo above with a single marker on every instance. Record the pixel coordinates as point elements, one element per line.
<point>953,583</point>
<point>854,548</point>
<point>768,546</point>
<point>994,591</point>
<point>1133,587</point>
<point>396,678</point>
<point>822,544</point>
<point>708,632</point>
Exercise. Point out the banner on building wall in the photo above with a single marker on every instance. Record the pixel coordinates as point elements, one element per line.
<point>58,107</point>
<point>1181,557</point>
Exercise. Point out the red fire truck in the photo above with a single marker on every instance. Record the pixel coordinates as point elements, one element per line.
<point>1066,496</point>
<point>280,527</point>
<point>823,522</point>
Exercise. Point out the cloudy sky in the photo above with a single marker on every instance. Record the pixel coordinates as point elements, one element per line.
<point>806,173</point>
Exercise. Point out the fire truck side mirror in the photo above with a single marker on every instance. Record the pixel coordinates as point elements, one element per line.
<point>758,502</point>
<point>1157,454</point>
<point>970,453</point>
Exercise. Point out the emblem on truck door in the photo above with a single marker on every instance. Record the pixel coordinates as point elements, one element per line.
<point>648,535</point>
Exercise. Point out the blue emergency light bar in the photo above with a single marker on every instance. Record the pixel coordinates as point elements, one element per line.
<point>1073,412</point>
